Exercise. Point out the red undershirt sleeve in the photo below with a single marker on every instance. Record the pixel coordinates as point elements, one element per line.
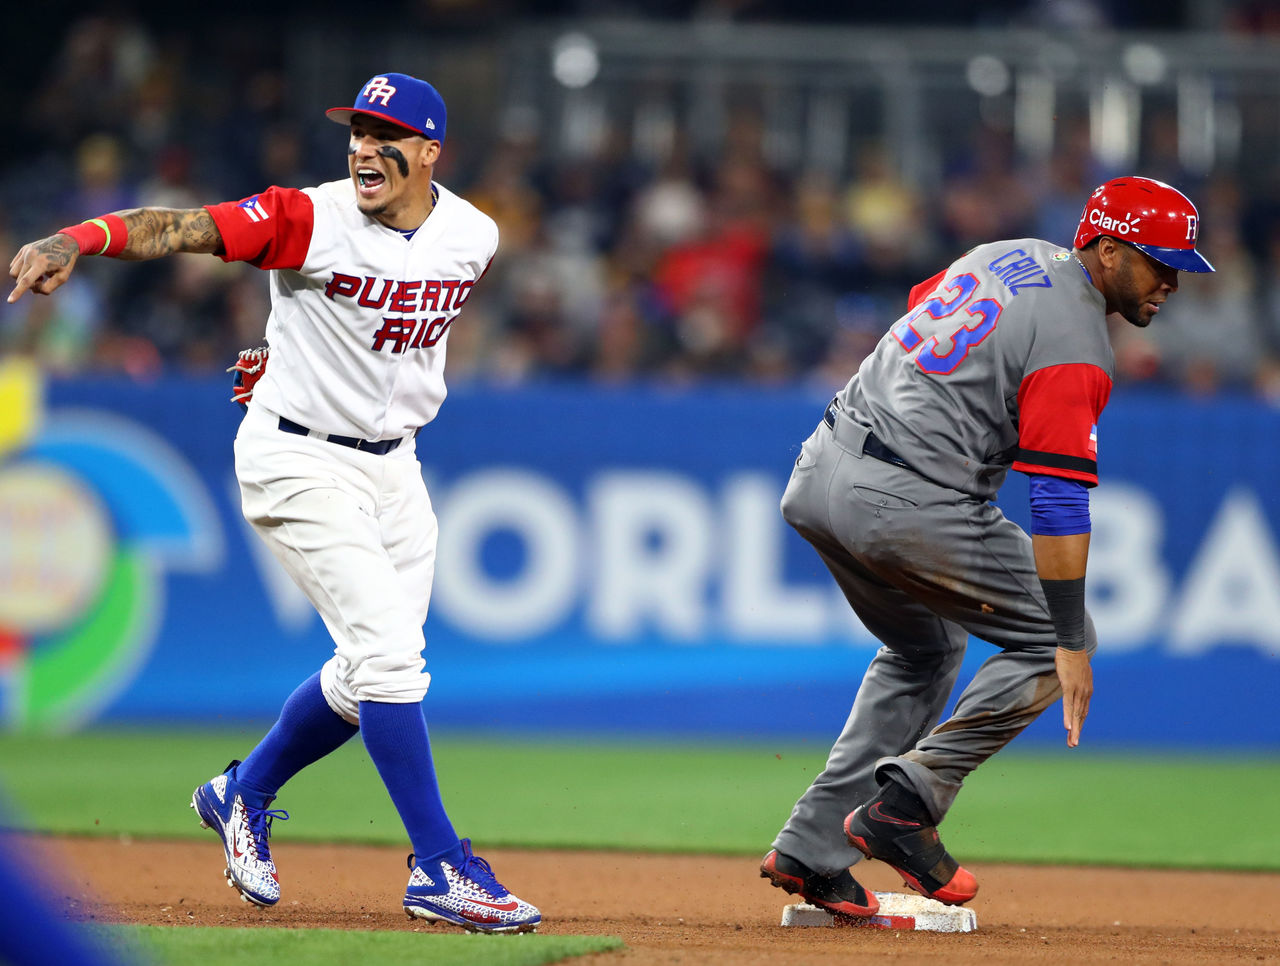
<point>271,229</point>
<point>1058,411</point>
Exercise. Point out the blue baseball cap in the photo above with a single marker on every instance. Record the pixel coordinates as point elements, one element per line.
<point>400,99</point>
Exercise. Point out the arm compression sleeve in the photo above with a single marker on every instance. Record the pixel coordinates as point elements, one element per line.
<point>1059,507</point>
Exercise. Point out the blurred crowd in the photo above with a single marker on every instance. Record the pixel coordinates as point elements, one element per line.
<point>609,269</point>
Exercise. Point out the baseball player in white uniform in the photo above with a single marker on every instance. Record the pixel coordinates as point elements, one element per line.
<point>368,275</point>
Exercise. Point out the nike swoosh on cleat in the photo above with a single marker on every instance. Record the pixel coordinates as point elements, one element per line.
<point>235,845</point>
<point>875,812</point>
<point>500,906</point>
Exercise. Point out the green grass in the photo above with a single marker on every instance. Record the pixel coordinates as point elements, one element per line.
<point>1081,806</point>
<point>162,946</point>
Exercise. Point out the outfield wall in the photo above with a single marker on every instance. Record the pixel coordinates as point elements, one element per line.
<point>611,560</point>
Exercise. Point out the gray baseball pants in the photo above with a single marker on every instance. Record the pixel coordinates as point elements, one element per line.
<point>923,566</point>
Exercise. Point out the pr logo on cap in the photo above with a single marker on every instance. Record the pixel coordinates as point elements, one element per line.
<point>378,89</point>
<point>401,99</point>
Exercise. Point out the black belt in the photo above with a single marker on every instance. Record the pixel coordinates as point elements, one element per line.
<point>871,446</point>
<point>377,447</point>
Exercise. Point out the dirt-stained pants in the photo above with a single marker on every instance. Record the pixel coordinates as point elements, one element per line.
<point>923,566</point>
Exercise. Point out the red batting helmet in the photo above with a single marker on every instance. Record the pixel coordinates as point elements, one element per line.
<point>1150,216</point>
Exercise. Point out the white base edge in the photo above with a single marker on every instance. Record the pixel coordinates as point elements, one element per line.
<point>897,911</point>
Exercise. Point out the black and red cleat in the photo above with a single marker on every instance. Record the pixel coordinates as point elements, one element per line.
<point>913,849</point>
<point>841,894</point>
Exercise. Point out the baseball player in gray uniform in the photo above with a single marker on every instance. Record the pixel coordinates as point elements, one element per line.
<point>368,274</point>
<point>1002,360</point>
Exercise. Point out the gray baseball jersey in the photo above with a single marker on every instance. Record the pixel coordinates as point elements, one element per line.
<point>1001,360</point>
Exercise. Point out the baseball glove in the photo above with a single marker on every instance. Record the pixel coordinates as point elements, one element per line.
<point>249,367</point>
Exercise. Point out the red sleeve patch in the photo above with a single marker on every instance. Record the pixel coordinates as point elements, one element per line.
<point>1058,411</point>
<point>270,230</point>
<point>922,291</point>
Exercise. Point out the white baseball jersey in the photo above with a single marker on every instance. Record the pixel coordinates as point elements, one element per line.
<point>359,314</point>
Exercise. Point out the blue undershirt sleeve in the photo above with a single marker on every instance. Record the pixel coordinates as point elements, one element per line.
<point>1058,507</point>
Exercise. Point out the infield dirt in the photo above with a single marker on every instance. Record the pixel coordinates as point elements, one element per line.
<point>702,909</point>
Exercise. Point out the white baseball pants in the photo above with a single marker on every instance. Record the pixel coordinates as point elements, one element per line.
<point>357,534</point>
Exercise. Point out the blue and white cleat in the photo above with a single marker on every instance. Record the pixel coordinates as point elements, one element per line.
<point>244,830</point>
<point>468,896</point>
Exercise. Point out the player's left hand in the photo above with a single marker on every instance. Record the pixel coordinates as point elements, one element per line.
<point>42,266</point>
<point>1075,674</point>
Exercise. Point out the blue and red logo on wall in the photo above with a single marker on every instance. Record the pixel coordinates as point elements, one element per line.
<point>95,509</point>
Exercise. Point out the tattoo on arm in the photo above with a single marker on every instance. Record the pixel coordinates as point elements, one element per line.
<point>154,232</point>
<point>58,249</point>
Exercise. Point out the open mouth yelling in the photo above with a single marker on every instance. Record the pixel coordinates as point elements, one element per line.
<point>369,181</point>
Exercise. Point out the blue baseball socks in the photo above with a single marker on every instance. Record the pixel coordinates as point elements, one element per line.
<point>307,730</point>
<point>396,737</point>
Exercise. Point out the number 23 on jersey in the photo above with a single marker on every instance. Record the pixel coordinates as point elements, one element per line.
<point>956,293</point>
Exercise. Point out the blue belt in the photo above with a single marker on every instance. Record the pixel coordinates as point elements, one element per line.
<point>871,446</point>
<point>377,447</point>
